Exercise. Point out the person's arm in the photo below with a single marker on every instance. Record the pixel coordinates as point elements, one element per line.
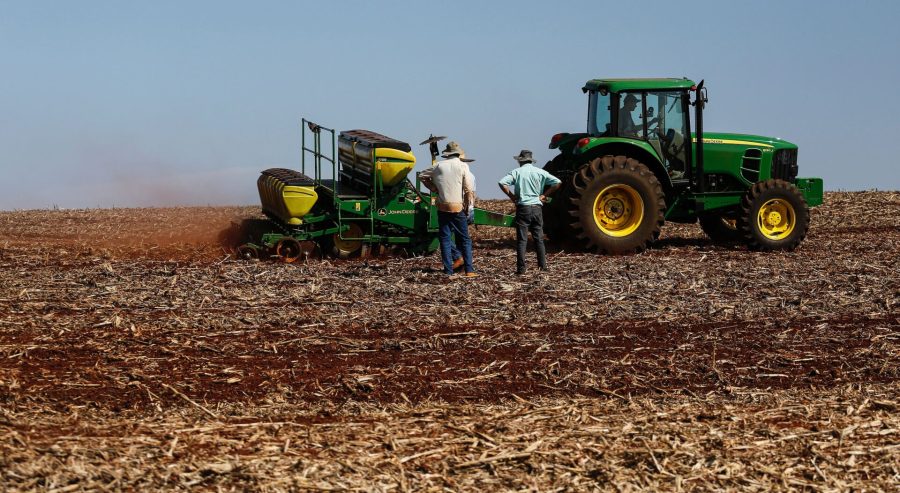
<point>627,127</point>
<point>550,190</point>
<point>425,178</point>
<point>508,193</point>
<point>468,191</point>
<point>552,185</point>
<point>468,202</point>
<point>474,192</point>
<point>505,183</point>
<point>625,124</point>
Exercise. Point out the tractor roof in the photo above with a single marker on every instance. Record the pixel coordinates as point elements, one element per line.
<point>618,85</point>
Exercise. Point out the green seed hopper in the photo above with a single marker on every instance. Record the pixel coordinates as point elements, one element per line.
<point>353,196</point>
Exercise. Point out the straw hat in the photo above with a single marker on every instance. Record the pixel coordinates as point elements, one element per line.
<point>453,149</point>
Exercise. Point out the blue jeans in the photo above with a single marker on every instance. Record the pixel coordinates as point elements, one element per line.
<point>456,248</point>
<point>454,224</point>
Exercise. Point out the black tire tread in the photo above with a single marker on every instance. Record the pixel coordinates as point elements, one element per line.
<point>556,227</point>
<point>593,171</point>
<point>748,211</point>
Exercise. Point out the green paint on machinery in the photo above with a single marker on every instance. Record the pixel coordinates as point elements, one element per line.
<point>642,162</point>
<point>352,196</point>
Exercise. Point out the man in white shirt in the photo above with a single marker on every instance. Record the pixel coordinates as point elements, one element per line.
<point>456,248</point>
<point>450,178</point>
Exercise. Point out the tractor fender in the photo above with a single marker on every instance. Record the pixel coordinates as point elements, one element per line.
<point>565,141</point>
<point>642,151</point>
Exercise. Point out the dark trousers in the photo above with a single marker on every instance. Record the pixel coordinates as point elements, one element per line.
<point>454,224</point>
<point>529,218</point>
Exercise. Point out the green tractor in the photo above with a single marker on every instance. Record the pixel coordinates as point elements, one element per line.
<point>641,163</point>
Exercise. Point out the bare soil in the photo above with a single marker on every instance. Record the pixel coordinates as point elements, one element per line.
<point>136,354</point>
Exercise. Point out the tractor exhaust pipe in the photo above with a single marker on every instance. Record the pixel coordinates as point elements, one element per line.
<point>699,102</point>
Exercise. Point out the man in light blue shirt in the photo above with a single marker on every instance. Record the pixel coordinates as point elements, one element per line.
<point>532,186</point>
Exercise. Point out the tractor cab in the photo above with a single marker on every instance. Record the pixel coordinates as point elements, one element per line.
<point>657,117</point>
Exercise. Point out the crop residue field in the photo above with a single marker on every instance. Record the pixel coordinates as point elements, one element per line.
<point>135,354</point>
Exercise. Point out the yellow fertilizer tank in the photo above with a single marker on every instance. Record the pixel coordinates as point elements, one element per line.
<point>286,194</point>
<point>364,153</point>
<point>394,165</point>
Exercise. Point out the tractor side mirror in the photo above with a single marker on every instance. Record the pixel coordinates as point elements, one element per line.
<point>650,112</point>
<point>701,95</point>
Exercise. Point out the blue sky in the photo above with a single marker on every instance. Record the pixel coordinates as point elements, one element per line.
<point>112,103</point>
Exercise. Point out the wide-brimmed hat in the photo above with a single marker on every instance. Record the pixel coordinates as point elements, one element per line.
<point>524,157</point>
<point>631,98</point>
<point>453,149</point>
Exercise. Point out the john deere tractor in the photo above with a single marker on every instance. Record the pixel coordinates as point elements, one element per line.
<point>642,162</point>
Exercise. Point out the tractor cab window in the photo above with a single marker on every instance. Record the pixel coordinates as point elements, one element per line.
<point>658,118</point>
<point>630,122</point>
<point>599,115</point>
<point>668,130</point>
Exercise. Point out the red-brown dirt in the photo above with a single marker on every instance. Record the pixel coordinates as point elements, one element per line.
<point>122,327</point>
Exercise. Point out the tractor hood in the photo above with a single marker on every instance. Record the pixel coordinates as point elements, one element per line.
<point>745,140</point>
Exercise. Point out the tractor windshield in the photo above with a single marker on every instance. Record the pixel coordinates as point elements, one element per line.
<point>599,115</point>
<point>660,118</point>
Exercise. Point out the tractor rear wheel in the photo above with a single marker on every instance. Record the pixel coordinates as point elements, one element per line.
<point>774,216</point>
<point>618,204</point>
<point>720,228</point>
<point>556,212</point>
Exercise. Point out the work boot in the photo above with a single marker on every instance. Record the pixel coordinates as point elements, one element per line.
<point>471,274</point>
<point>458,263</point>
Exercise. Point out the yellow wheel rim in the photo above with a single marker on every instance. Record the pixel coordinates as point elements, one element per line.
<point>618,210</point>
<point>776,219</point>
<point>347,245</point>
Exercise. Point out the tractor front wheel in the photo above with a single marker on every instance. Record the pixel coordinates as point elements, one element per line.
<point>774,216</point>
<point>618,204</point>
